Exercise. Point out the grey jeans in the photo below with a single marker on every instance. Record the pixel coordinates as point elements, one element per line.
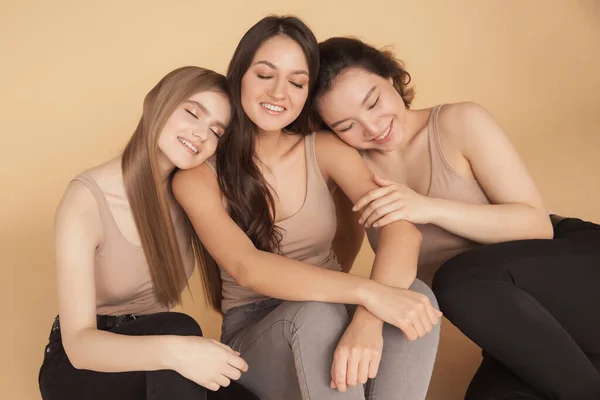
<point>289,350</point>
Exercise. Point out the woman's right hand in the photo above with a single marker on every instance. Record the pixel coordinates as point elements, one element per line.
<point>207,362</point>
<point>409,311</point>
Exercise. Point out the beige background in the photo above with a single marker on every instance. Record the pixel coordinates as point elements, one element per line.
<point>74,74</point>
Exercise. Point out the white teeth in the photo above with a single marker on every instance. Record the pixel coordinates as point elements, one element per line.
<point>272,107</point>
<point>385,133</point>
<point>188,144</point>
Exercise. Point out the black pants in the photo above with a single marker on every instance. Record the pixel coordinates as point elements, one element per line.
<point>58,378</point>
<point>533,307</point>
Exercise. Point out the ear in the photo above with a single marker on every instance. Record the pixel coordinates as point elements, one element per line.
<point>391,81</point>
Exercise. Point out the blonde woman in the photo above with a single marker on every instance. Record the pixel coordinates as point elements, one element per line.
<point>124,254</point>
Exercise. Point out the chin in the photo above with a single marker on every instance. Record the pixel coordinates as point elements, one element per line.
<point>271,127</point>
<point>187,164</point>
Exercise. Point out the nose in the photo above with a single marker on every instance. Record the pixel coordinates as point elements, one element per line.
<point>371,128</point>
<point>200,135</point>
<point>278,90</point>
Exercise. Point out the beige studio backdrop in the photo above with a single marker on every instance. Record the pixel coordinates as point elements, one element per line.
<point>74,74</point>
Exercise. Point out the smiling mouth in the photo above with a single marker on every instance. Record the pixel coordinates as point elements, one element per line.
<point>188,144</point>
<point>272,108</point>
<point>385,133</point>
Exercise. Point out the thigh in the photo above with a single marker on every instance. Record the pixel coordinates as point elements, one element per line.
<point>235,391</point>
<point>290,350</point>
<point>560,273</point>
<point>58,378</point>
<point>493,381</point>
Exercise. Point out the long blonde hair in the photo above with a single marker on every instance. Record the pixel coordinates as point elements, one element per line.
<point>144,186</point>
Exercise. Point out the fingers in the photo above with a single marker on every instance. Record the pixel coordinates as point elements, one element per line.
<point>385,206</point>
<point>426,323</point>
<point>419,327</point>
<point>237,362</point>
<point>432,313</point>
<point>363,370</point>
<point>231,372</point>
<point>222,381</point>
<point>372,195</point>
<point>381,181</point>
<point>382,212</point>
<point>211,386</point>
<point>389,218</point>
<point>374,366</point>
<point>223,345</point>
<point>409,331</point>
<point>340,364</point>
<point>374,208</point>
<point>352,368</point>
<point>423,315</point>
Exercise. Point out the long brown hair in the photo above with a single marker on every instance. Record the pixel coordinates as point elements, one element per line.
<point>147,193</point>
<point>250,204</point>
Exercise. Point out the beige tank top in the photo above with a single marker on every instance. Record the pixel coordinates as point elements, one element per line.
<point>438,244</point>
<point>123,282</point>
<point>307,235</point>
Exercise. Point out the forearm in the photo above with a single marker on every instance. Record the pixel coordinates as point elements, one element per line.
<point>395,261</point>
<point>91,349</point>
<point>492,223</point>
<point>284,278</point>
<point>397,255</point>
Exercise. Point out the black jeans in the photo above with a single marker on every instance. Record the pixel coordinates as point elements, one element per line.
<point>532,306</point>
<point>58,379</point>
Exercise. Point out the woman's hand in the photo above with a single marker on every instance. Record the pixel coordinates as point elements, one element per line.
<point>407,310</point>
<point>393,202</point>
<point>358,353</point>
<point>207,362</point>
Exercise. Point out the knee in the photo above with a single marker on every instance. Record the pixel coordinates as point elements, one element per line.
<point>180,324</point>
<point>454,274</point>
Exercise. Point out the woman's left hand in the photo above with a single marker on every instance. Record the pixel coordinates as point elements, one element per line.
<point>393,202</point>
<point>358,353</point>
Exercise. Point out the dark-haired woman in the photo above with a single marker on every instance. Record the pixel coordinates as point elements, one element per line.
<point>528,301</point>
<point>267,218</point>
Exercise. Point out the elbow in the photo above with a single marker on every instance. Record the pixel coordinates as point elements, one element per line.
<point>74,356</point>
<point>540,225</point>
<point>240,272</point>
<point>74,345</point>
<point>545,229</point>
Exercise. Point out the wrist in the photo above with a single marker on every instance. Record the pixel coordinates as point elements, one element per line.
<point>168,354</point>
<point>365,317</point>
<point>436,206</point>
<point>365,293</point>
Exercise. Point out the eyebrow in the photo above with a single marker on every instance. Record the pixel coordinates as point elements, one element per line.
<point>271,65</point>
<point>369,93</point>
<point>205,110</point>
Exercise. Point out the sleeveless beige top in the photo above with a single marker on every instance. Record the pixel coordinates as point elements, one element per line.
<point>307,235</point>
<point>123,282</point>
<point>438,244</point>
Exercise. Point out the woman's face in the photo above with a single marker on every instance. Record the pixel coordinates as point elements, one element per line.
<point>364,110</point>
<point>191,133</point>
<point>275,87</point>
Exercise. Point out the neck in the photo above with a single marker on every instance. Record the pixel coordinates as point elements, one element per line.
<point>165,167</point>
<point>414,122</point>
<point>267,144</point>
